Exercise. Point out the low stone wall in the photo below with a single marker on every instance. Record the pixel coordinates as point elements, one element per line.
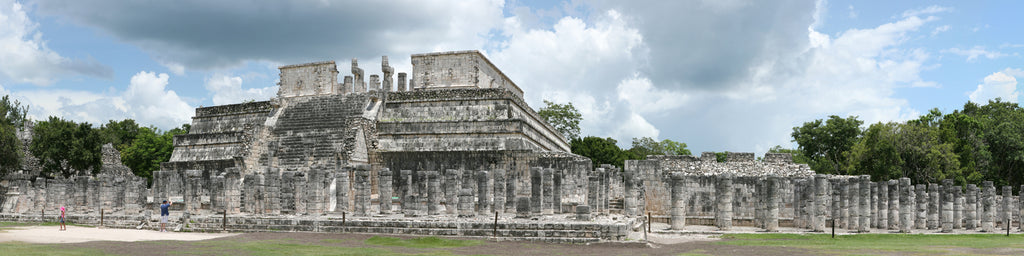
<point>560,231</point>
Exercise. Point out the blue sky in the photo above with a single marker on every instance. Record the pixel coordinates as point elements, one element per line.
<point>717,75</point>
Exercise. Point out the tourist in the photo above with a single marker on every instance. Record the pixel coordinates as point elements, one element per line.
<point>62,226</point>
<point>164,214</point>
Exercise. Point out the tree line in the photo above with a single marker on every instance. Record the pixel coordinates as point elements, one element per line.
<point>969,145</point>
<point>66,148</point>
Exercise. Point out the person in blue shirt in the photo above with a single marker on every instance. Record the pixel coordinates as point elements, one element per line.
<point>164,214</point>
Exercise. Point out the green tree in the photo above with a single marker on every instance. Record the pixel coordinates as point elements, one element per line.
<point>149,149</point>
<point>120,134</point>
<point>601,151</point>
<point>645,146</point>
<point>825,142</point>
<point>12,117</point>
<point>66,148</point>
<point>674,148</point>
<point>565,118</point>
<point>798,157</point>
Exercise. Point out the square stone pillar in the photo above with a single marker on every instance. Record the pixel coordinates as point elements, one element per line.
<point>971,207</point>
<point>873,204</point>
<point>864,213</point>
<point>908,205</point>
<point>453,183</point>
<point>299,183</point>
<point>466,202</point>
<point>947,206</point>
<point>401,82</point>
<point>844,215</point>
<point>548,185</point>
<point>958,207</point>
<point>312,196</point>
<point>1006,206</point>
<point>384,190</point>
<point>723,202</point>
<point>556,191</point>
<point>536,189</point>
<point>678,211</point>
<point>523,206</point>
<point>631,194</point>
<point>1020,208</point>
<point>773,199</point>
<point>434,193</point>
<point>894,204</point>
<point>883,205</point>
<point>820,203</point>
<point>193,191</point>
<point>853,223</point>
<point>988,204</point>
<point>342,187</point>
<point>511,188</point>
<point>837,201</point>
<point>483,192</point>
<point>921,220</point>
<point>362,185</point>
<point>499,189</point>
<point>933,206</point>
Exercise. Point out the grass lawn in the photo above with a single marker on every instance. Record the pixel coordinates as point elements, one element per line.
<point>886,243</point>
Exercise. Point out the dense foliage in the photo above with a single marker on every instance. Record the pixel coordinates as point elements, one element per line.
<point>12,116</point>
<point>565,118</point>
<point>976,143</point>
<point>150,148</point>
<point>64,147</point>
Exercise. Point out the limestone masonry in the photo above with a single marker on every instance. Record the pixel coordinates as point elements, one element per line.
<point>453,149</point>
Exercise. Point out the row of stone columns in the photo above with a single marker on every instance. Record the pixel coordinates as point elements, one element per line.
<point>856,203</point>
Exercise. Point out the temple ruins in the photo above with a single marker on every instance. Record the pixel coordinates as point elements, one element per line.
<point>453,149</point>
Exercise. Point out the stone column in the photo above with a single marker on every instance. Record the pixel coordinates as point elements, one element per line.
<point>631,195</point>
<point>1007,214</point>
<point>894,204</point>
<point>865,204</point>
<point>809,205</point>
<point>798,193</point>
<point>362,184</point>
<point>854,219</point>
<point>271,190</point>
<point>499,190</point>
<point>299,182</point>
<point>384,190</point>
<point>583,213</point>
<point>988,206</point>
<point>772,194</point>
<point>958,207</point>
<point>605,189</point>
<point>837,201</point>
<point>947,206</point>
<point>536,190</point>
<point>907,205</point>
<point>883,205</point>
<point>933,206</point>
<point>556,191</point>
<point>483,187</point>
<point>466,202</point>
<point>820,203</point>
<point>844,193</point>
<point>723,199</point>
<point>1020,208</point>
<point>921,221</point>
<point>523,207</point>
<point>678,220</point>
<point>341,190</point>
<point>193,191</point>
<point>401,81</point>
<point>971,207</point>
<point>453,183</point>
<point>873,204</point>
<point>511,188</point>
<point>547,186</point>
<point>434,193</point>
<point>312,196</point>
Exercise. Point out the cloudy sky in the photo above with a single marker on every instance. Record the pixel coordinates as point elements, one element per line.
<point>716,74</point>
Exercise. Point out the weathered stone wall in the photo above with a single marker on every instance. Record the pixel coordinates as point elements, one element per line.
<point>460,69</point>
<point>317,78</point>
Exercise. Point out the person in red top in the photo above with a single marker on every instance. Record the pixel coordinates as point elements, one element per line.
<point>62,226</point>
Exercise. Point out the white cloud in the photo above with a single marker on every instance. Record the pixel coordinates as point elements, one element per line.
<point>228,90</point>
<point>934,9</point>
<point>853,13</point>
<point>978,51</point>
<point>25,56</point>
<point>146,100</point>
<point>996,85</point>
<point>941,29</point>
